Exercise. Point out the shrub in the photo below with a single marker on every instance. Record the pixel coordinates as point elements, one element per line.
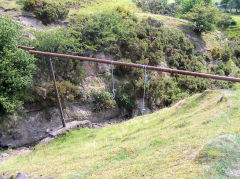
<point>191,84</point>
<point>46,11</point>
<point>226,55</point>
<point>51,12</point>
<point>158,7</point>
<point>123,70</point>
<point>126,96</point>
<point>59,41</point>
<point>225,21</point>
<point>102,100</point>
<point>187,5</point>
<point>237,51</point>
<point>124,100</point>
<point>16,66</point>
<point>67,92</point>
<point>216,53</point>
<point>29,5</point>
<point>224,69</point>
<point>163,92</point>
<point>204,17</point>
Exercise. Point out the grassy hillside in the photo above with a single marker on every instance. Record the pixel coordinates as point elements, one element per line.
<point>234,31</point>
<point>163,144</point>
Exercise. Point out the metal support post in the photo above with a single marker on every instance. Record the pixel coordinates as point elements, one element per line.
<point>57,94</point>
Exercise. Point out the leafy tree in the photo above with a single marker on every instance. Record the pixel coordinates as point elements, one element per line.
<point>230,4</point>
<point>237,4</point>
<point>225,4</point>
<point>187,5</point>
<point>204,17</point>
<point>16,66</point>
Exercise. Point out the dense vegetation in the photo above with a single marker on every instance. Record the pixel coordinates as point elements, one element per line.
<point>204,17</point>
<point>121,35</point>
<point>126,38</point>
<point>203,13</point>
<point>158,7</point>
<point>16,66</point>
<point>228,5</point>
<point>47,11</point>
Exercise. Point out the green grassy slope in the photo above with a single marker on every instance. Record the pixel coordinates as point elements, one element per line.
<point>234,31</point>
<point>163,144</point>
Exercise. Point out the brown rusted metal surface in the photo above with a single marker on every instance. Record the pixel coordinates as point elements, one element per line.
<point>25,47</point>
<point>57,94</point>
<point>154,68</point>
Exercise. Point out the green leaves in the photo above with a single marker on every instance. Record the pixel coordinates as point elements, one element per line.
<point>204,17</point>
<point>16,66</point>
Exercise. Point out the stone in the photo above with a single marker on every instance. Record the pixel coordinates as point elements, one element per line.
<point>41,92</point>
<point>3,155</point>
<point>46,140</point>
<point>21,176</point>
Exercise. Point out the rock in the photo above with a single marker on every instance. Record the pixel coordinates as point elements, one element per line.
<point>138,111</point>
<point>27,128</point>
<point>46,140</point>
<point>16,136</point>
<point>74,125</point>
<point>21,176</point>
<point>29,36</point>
<point>41,92</point>
<point>92,135</point>
<point>3,155</point>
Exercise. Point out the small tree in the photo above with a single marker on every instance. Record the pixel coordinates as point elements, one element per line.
<point>204,17</point>
<point>16,66</point>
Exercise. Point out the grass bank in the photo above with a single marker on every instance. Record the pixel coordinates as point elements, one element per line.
<point>163,144</point>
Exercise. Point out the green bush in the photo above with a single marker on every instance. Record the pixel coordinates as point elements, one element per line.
<point>29,5</point>
<point>204,17</point>
<point>51,12</point>
<point>67,92</point>
<point>187,5</point>
<point>163,92</point>
<point>59,41</point>
<point>216,53</point>
<point>158,7</point>
<point>47,11</point>
<point>226,55</point>
<point>124,100</point>
<point>225,21</point>
<point>126,96</point>
<point>122,70</point>
<point>102,100</point>
<point>16,66</point>
<point>224,69</point>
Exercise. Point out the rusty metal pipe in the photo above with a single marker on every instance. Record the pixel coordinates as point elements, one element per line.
<point>26,48</point>
<point>154,68</point>
<point>57,93</point>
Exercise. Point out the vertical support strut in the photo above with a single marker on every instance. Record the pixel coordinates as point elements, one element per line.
<point>57,94</point>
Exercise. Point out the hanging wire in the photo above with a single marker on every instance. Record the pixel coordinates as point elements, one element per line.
<point>113,84</point>
<point>144,92</point>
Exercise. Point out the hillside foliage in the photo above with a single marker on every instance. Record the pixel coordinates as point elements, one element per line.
<point>16,66</point>
<point>47,11</point>
<point>121,35</point>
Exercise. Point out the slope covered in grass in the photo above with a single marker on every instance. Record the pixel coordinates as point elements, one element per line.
<point>233,31</point>
<point>163,144</point>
